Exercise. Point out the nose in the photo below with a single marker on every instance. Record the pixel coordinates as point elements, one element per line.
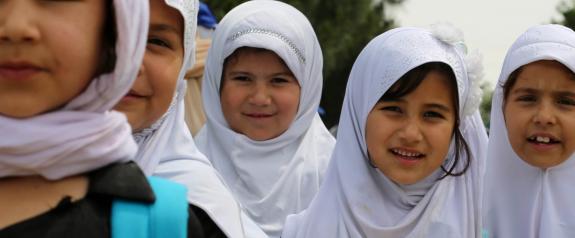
<point>260,95</point>
<point>17,22</point>
<point>411,132</point>
<point>544,115</point>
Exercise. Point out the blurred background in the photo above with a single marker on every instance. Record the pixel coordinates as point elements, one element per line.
<point>345,26</point>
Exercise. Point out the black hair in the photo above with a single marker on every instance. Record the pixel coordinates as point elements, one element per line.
<point>410,81</point>
<point>510,83</point>
<point>108,59</point>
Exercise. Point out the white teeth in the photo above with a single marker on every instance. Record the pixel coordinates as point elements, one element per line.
<point>543,139</point>
<point>405,153</point>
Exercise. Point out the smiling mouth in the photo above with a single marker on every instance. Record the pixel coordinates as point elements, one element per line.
<point>407,155</point>
<point>545,140</point>
<point>258,115</point>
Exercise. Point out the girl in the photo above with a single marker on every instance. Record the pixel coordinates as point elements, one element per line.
<point>154,107</point>
<point>530,162</point>
<point>407,161</point>
<point>63,65</point>
<point>261,92</point>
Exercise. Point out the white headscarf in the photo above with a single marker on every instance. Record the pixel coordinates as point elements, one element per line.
<point>274,178</point>
<point>84,134</point>
<point>522,200</point>
<point>167,148</point>
<point>356,199</point>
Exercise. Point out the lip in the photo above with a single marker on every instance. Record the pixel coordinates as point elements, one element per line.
<point>259,115</point>
<point>133,95</point>
<point>18,70</point>
<point>407,161</point>
<point>542,147</point>
<point>543,134</point>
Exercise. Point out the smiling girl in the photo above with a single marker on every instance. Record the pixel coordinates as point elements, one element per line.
<point>154,107</point>
<point>63,65</point>
<point>408,158</point>
<point>261,91</point>
<point>530,166</point>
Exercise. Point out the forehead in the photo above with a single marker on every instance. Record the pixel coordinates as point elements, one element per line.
<point>546,73</point>
<point>255,58</point>
<point>165,17</point>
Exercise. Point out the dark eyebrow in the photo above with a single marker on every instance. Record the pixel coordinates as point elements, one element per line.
<point>383,99</point>
<point>163,27</point>
<point>438,106</point>
<point>286,73</point>
<point>525,90</point>
<point>565,94</point>
<point>239,72</point>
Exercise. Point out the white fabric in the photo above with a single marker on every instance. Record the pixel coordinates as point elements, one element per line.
<point>522,200</point>
<point>84,134</point>
<point>167,149</point>
<point>356,199</point>
<point>274,178</point>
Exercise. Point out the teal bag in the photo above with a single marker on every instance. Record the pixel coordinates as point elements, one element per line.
<point>166,217</point>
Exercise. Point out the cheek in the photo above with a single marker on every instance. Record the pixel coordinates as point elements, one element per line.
<point>288,101</point>
<point>516,121</point>
<point>231,98</point>
<point>568,122</point>
<point>377,136</point>
<point>440,137</point>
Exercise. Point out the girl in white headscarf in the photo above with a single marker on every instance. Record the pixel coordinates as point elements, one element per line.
<point>411,97</point>
<point>261,90</point>
<point>155,109</point>
<point>63,66</point>
<point>530,167</point>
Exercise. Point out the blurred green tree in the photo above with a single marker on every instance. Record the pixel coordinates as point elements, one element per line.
<point>485,107</point>
<point>343,28</point>
<point>567,11</point>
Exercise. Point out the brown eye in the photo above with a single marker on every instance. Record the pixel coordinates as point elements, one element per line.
<point>158,42</point>
<point>526,98</point>
<point>566,101</point>
<point>433,114</point>
<point>279,80</point>
<point>241,78</point>
<point>391,109</point>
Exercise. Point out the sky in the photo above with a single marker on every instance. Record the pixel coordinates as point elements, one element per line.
<point>490,26</point>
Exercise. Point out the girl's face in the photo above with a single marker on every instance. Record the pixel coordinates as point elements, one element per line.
<point>408,138</point>
<point>49,52</point>
<point>153,91</point>
<point>259,94</point>
<point>540,114</point>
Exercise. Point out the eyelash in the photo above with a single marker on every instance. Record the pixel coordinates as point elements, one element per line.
<point>566,101</point>
<point>241,78</point>
<point>392,109</point>
<point>279,80</point>
<point>159,42</point>
<point>427,114</point>
<point>526,98</point>
<point>433,114</point>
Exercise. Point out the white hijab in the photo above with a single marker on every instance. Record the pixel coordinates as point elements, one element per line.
<point>274,178</point>
<point>83,135</point>
<point>522,200</point>
<point>167,148</point>
<point>356,199</point>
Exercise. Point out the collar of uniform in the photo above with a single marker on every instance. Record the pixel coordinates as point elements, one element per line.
<point>125,181</point>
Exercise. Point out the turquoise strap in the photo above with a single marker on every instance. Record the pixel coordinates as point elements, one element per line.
<point>167,217</point>
<point>484,233</point>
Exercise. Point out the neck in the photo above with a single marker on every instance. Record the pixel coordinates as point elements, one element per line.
<point>22,198</point>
